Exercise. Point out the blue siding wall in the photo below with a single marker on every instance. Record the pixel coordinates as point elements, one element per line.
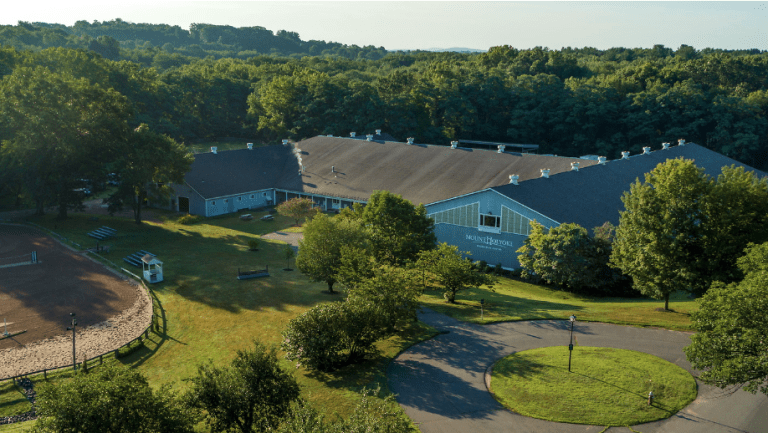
<point>483,245</point>
<point>236,202</point>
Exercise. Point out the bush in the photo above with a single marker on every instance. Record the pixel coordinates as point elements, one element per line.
<point>129,349</point>
<point>497,269</point>
<point>333,334</point>
<point>253,244</point>
<point>189,219</point>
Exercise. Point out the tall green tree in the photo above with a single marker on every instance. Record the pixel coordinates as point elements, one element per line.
<point>147,164</point>
<point>109,399</point>
<point>398,230</point>
<point>61,129</point>
<point>320,251</point>
<point>660,238</point>
<point>452,271</point>
<point>297,208</point>
<point>252,394</point>
<point>730,346</point>
<point>567,255</point>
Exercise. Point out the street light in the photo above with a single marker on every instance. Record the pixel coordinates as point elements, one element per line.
<point>74,324</point>
<point>570,346</point>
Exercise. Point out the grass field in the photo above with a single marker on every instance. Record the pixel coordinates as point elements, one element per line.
<point>608,387</point>
<point>209,314</point>
<point>515,300</point>
<point>12,400</point>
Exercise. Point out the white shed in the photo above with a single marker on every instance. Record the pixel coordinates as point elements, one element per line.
<point>153,269</point>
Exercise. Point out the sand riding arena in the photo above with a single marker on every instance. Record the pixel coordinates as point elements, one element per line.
<point>39,297</point>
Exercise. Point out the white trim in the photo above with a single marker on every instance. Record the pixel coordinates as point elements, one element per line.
<point>193,189</point>
<point>522,205</point>
<point>458,196</point>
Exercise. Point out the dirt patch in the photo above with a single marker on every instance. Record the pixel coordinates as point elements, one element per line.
<point>291,239</point>
<point>111,311</point>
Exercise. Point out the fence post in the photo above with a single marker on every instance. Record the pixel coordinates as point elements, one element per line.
<point>45,374</point>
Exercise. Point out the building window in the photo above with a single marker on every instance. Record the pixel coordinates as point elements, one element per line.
<point>465,216</point>
<point>226,200</point>
<point>264,194</point>
<point>213,203</point>
<point>335,204</point>
<point>251,195</point>
<point>489,223</point>
<point>239,199</point>
<point>513,222</point>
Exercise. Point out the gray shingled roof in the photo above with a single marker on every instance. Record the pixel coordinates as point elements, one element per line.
<point>592,196</point>
<point>239,171</point>
<point>420,173</point>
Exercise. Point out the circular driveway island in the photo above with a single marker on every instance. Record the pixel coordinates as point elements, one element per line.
<point>441,383</point>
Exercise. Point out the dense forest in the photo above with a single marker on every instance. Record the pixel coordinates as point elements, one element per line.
<point>220,81</point>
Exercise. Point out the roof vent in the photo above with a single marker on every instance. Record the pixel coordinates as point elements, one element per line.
<point>513,179</point>
<point>681,142</point>
<point>625,154</point>
<point>664,146</point>
<point>574,166</point>
<point>214,150</point>
<point>352,134</point>
<point>369,137</point>
<point>285,141</point>
<point>646,150</point>
<point>410,140</point>
<point>501,148</point>
<point>378,132</point>
<point>330,135</point>
<point>454,144</point>
<point>601,160</point>
<point>250,146</point>
<point>545,172</point>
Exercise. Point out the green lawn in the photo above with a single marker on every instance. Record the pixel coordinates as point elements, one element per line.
<point>606,386</point>
<point>12,400</point>
<point>209,314</point>
<point>515,300</point>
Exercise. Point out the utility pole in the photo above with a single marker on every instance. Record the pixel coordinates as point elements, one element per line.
<point>74,324</point>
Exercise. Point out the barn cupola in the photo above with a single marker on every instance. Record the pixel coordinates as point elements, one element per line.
<point>545,172</point>
<point>285,141</point>
<point>352,134</point>
<point>378,132</point>
<point>500,148</point>
<point>369,137</point>
<point>646,150</point>
<point>664,146</point>
<point>681,142</point>
<point>250,146</point>
<point>513,178</point>
<point>574,166</point>
<point>601,160</point>
<point>454,144</point>
<point>625,154</point>
<point>409,140</point>
<point>214,150</point>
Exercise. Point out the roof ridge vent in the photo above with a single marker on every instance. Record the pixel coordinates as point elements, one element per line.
<point>625,154</point>
<point>409,140</point>
<point>369,137</point>
<point>285,141</point>
<point>664,146</point>
<point>681,142</point>
<point>214,150</point>
<point>601,160</point>
<point>378,132</point>
<point>574,166</point>
<point>454,144</point>
<point>545,172</point>
<point>513,179</point>
<point>352,134</point>
<point>646,150</point>
<point>250,146</point>
<point>501,148</point>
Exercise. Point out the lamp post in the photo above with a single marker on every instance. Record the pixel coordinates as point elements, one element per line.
<point>74,324</point>
<point>570,345</point>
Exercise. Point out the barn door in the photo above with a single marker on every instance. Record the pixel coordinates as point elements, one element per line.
<point>184,204</point>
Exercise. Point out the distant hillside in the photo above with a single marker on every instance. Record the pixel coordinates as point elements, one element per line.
<point>456,50</point>
<point>200,41</point>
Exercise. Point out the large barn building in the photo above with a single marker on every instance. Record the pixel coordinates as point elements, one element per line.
<point>481,200</point>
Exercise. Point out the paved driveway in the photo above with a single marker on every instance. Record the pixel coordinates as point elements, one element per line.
<point>440,382</point>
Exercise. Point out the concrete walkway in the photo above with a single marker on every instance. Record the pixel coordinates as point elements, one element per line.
<point>440,382</point>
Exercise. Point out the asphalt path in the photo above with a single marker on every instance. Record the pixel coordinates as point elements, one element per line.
<point>441,383</point>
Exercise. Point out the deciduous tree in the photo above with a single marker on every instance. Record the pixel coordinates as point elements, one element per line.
<point>730,346</point>
<point>452,271</point>
<point>297,208</point>
<point>252,394</point>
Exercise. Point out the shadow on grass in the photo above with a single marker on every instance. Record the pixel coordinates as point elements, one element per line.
<point>158,338</point>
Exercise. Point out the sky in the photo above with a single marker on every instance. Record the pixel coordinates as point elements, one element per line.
<point>443,24</point>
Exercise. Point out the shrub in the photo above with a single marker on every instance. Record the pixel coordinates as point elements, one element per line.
<point>253,244</point>
<point>129,349</point>
<point>189,219</point>
<point>330,335</point>
<point>497,269</point>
